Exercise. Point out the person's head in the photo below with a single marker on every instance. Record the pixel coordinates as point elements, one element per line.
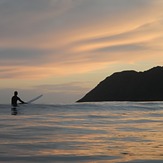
<point>15,93</point>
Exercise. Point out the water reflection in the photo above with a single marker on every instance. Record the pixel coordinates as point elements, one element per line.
<point>88,135</point>
<point>14,111</point>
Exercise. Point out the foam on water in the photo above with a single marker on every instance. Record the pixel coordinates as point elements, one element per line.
<point>89,132</point>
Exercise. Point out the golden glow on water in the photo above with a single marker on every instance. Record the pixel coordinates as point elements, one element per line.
<point>95,135</point>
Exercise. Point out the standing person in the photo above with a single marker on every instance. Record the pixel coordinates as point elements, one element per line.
<point>15,99</point>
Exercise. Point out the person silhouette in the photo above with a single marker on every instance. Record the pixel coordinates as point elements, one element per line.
<point>15,99</point>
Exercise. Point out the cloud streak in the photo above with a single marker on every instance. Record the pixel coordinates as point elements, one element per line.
<point>41,39</point>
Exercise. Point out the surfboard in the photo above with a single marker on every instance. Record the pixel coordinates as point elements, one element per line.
<point>16,110</point>
<point>34,99</point>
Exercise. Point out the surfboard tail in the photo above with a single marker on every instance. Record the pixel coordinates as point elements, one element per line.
<point>34,99</point>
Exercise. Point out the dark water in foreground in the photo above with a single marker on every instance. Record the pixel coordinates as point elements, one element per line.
<point>91,133</point>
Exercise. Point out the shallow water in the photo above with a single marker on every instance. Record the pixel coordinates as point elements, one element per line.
<point>90,132</point>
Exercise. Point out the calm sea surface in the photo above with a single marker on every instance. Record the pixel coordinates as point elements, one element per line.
<point>90,132</point>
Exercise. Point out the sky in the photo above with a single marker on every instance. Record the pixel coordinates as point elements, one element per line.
<point>64,48</point>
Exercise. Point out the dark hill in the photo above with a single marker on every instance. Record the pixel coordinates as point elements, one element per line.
<point>129,86</point>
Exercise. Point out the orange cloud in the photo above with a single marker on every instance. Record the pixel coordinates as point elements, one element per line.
<point>69,41</point>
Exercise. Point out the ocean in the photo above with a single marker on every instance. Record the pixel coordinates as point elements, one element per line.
<point>107,132</point>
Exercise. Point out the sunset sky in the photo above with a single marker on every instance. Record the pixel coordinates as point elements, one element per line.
<point>64,48</point>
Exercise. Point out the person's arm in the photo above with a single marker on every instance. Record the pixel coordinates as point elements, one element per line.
<point>21,101</point>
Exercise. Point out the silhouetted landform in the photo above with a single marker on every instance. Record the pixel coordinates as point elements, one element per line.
<point>129,86</point>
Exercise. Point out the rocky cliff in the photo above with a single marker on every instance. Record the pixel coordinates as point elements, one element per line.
<point>129,86</point>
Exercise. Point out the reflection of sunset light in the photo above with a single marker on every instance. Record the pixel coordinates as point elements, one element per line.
<point>133,136</point>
